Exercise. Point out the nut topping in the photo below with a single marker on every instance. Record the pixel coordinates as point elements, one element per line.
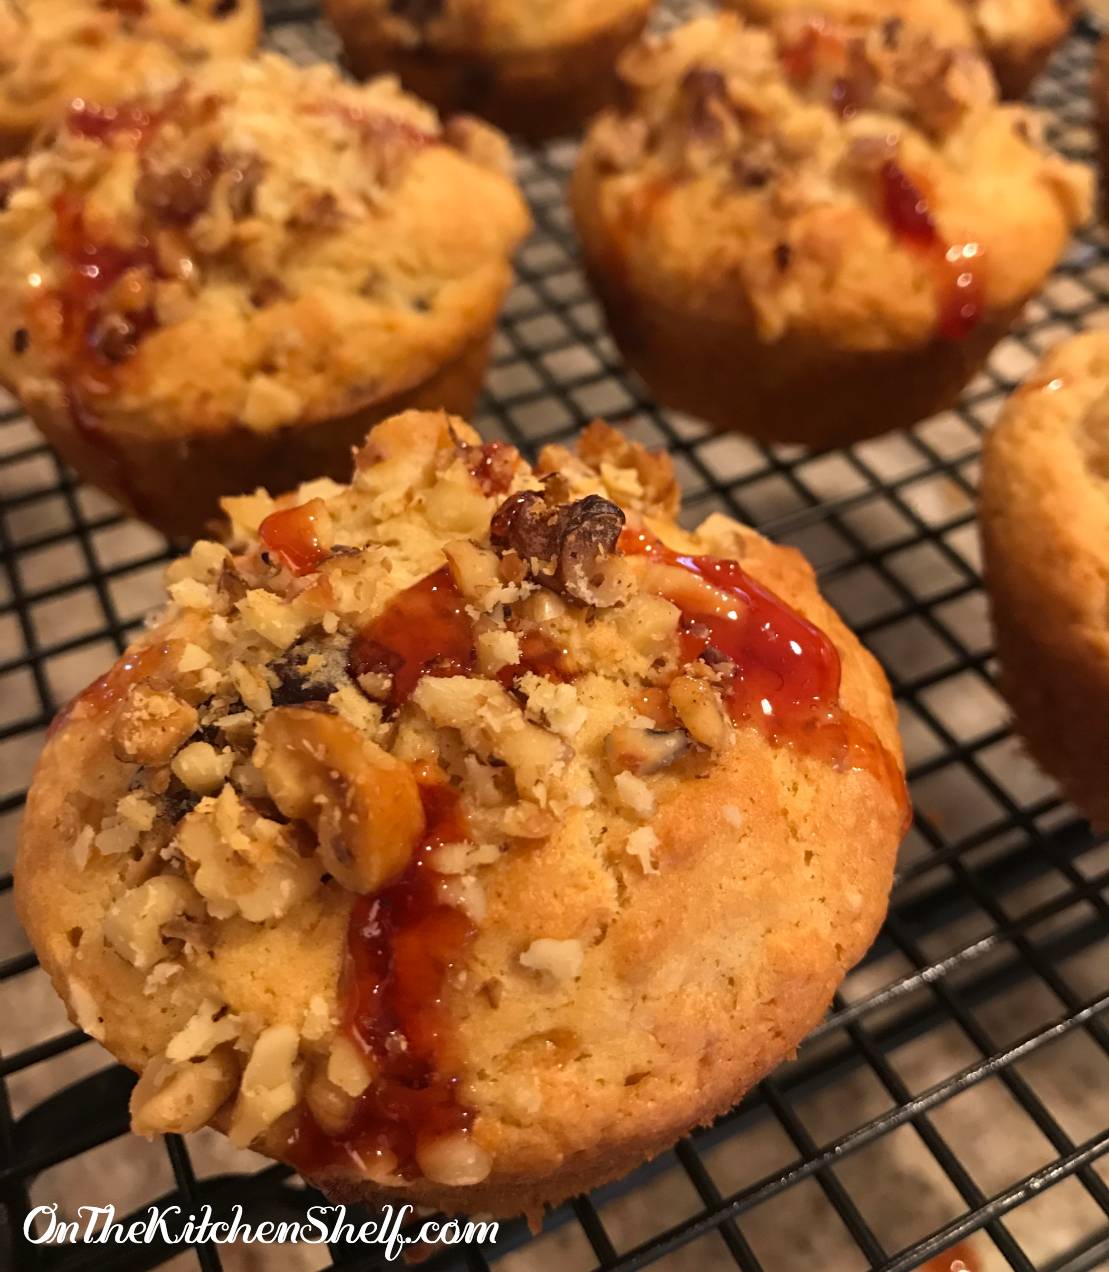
<point>570,545</point>
<point>362,803</point>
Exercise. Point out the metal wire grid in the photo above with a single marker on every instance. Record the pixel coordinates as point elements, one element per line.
<point>985,981</point>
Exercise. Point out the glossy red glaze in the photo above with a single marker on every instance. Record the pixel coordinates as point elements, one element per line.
<point>538,654</point>
<point>905,208</point>
<point>786,680</point>
<point>292,535</point>
<point>91,270</point>
<point>959,281</point>
<point>494,465</point>
<point>111,688</point>
<point>423,631</point>
<point>402,944</point>
<point>129,122</point>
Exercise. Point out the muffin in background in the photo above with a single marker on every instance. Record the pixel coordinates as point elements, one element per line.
<point>224,285</point>
<point>534,68</point>
<point>465,834</point>
<point>105,50</point>
<point>1016,36</point>
<point>1044,520</point>
<point>815,233</point>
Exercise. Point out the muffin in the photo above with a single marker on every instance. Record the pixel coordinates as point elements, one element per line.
<point>1044,516</point>
<point>227,283</point>
<point>1016,36</point>
<point>103,50</point>
<point>464,835</point>
<point>815,233</point>
<point>534,68</point>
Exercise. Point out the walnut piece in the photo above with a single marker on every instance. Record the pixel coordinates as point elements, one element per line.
<point>133,927</point>
<point>242,863</point>
<point>568,546</point>
<point>699,709</point>
<point>363,804</point>
<point>271,1084</point>
<point>178,1098</point>
<point>151,725</point>
<point>644,751</point>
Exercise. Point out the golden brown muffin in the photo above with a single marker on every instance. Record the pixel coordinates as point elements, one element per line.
<point>466,834</point>
<point>225,284</point>
<point>1044,510</point>
<point>534,67</point>
<point>817,233</point>
<point>105,50</point>
<point>1016,36</point>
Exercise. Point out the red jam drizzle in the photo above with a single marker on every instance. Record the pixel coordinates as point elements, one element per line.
<point>786,680</point>
<point>291,534</point>
<point>91,271</point>
<point>425,631</point>
<point>111,688</point>
<point>129,122</point>
<point>493,467</point>
<point>539,655</point>
<point>402,943</point>
<point>959,281</point>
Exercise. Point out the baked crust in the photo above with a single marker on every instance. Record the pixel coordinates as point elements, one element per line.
<point>56,50</point>
<point>279,259</point>
<point>817,233</point>
<point>1017,36</point>
<point>537,85</point>
<point>643,947</point>
<point>1044,516</point>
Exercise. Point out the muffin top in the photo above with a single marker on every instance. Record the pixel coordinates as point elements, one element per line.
<point>993,25</point>
<point>490,26</point>
<point>488,817</point>
<point>1045,490</point>
<point>260,245</point>
<point>855,183</point>
<point>54,50</point>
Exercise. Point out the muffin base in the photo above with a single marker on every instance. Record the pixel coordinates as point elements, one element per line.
<point>794,390</point>
<point>175,483</point>
<point>536,94</point>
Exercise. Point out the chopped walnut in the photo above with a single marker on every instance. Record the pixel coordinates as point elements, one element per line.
<point>176,1098</point>
<point>569,547</point>
<point>242,863</point>
<point>700,710</point>
<point>362,803</point>
<point>561,960</point>
<point>151,725</point>
<point>644,750</point>
<point>642,844</point>
<point>271,1085</point>
<point>134,926</point>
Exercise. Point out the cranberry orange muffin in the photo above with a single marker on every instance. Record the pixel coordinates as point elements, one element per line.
<point>1016,36</point>
<point>815,233</point>
<point>103,50</point>
<point>534,68</point>
<point>466,834</point>
<point>1044,516</point>
<point>225,284</point>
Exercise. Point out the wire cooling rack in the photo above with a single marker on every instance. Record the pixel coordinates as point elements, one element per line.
<point>955,1101</point>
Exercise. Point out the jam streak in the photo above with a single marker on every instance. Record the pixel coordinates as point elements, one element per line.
<point>960,286</point>
<point>402,943</point>
<point>292,534</point>
<point>425,631</point>
<point>786,678</point>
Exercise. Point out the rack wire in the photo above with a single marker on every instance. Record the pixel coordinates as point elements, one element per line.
<point>955,1101</point>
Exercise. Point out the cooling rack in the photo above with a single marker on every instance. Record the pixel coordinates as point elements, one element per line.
<point>953,1104</point>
